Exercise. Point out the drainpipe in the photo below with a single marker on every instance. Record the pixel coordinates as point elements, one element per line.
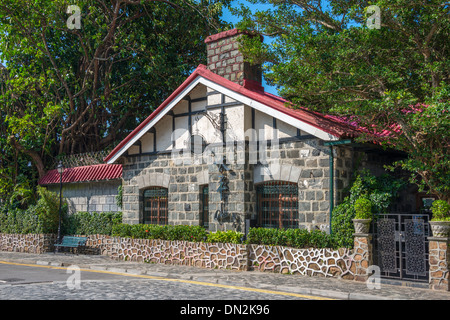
<point>331,144</point>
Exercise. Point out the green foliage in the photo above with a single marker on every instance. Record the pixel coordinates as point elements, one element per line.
<point>342,224</point>
<point>396,78</point>
<point>441,210</point>
<point>363,208</point>
<point>296,238</point>
<point>42,217</point>
<point>73,91</point>
<point>166,232</point>
<point>229,236</point>
<point>86,223</point>
<point>22,196</point>
<point>47,210</point>
<point>380,191</point>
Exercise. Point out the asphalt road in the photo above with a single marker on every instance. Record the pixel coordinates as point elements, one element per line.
<point>31,282</point>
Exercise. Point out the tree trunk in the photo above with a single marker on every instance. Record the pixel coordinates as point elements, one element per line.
<point>37,160</point>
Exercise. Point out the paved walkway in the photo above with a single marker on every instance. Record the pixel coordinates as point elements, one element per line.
<point>326,287</point>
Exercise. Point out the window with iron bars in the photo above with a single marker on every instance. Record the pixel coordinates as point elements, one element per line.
<point>155,206</point>
<point>277,204</point>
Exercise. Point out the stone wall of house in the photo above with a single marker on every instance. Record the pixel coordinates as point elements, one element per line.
<point>27,243</point>
<point>94,196</point>
<point>303,160</point>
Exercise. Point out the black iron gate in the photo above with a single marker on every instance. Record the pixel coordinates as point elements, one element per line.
<point>401,246</point>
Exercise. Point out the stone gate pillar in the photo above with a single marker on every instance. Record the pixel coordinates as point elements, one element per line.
<point>439,259</point>
<point>362,256</point>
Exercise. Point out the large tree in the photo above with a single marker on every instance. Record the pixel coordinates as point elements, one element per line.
<point>71,89</point>
<point>393,77</point>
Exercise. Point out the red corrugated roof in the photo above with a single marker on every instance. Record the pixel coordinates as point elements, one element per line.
<point>96,172</point>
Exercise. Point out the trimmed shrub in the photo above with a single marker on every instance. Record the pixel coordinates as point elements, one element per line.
<point>229,236</point>
<point>342,224</point>
<point>166,232</point>
<point>86,223</point>
<point>363,208</point>
<point>441,210</point>
<point>296,238</point>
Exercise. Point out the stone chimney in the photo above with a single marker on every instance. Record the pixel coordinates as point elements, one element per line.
<point>225,59</point>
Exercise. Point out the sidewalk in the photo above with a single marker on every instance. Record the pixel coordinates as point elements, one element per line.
<point>316,286</point>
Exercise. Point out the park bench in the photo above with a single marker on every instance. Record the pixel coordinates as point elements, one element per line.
<point>73,243</point>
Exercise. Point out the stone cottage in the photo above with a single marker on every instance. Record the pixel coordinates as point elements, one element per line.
<point>222,153</point>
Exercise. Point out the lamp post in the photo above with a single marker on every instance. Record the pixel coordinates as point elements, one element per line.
<point>60,169</point>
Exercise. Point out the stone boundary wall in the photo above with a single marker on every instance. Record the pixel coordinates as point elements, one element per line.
<point>27,243</point>
<point>198,254</point>
<point>312,262</point>
<point>439,260</point>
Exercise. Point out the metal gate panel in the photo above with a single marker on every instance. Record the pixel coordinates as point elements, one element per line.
<point>415,253</point>
<point>386,245</point>
<point>401,246</point>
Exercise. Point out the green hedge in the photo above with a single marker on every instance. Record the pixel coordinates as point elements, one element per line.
<point>86,223</point>
<point>225,236</point>
<point>175,232</point>
<point>296,238</point>
<point>166,232</point>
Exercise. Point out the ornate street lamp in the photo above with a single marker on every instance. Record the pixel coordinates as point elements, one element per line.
<point>60,169</point>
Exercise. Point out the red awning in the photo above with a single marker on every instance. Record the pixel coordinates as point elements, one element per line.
<point>97,172</point>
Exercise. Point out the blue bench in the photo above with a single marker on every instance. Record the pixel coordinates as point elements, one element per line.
<point>73,243</point>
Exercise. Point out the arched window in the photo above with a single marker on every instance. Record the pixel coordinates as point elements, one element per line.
<point>155,206</point>
<point>277,204</point>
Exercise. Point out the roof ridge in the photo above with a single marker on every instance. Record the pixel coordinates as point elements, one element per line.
<point>311,118</point>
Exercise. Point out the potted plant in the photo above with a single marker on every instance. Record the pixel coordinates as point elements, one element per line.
<point>440,223</point>
<point>363,215</point>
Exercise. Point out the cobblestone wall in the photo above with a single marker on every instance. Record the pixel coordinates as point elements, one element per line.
<point>311,262</point>
<point>439,257</point>
<point>28,243</point>
<point>363,256</point>
<point>198,254</point>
